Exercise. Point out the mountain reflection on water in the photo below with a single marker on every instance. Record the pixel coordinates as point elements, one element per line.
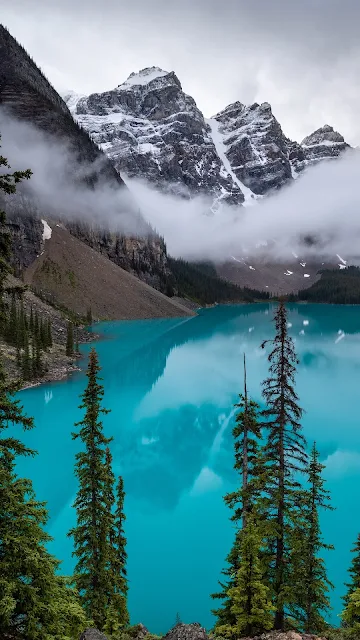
<point>171,386</point>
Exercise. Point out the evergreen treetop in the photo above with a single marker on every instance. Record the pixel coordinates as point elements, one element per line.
<point>285,456</point>
<point>308,567</point>
<point>91,504</point>
<point>354,572</point>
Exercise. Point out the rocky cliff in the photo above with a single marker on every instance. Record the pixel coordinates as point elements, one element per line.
<point>150,129</point>
<point>26,95</point>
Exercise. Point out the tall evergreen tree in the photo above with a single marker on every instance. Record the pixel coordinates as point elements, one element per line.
<point>49,334</point>
<point>70,340</point>
<point>91,502</point>
<point>26,362</point>
<point>242,501</point>
<point>35,603</point>
<point>352,614</point>
<point>308,567</point>
<point>31,321</point>
<point>115,550</point>
<point>285,457</point>
<point>120,558</point>
<point>250,596</point>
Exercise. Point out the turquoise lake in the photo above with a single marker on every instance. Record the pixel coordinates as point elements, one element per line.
<point>171,386</point>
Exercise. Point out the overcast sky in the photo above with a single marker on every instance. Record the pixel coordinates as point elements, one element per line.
<point>302,56</point>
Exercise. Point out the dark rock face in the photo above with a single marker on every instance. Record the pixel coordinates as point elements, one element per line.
<point>151,129</point>
<point>92,634</point>
<point>187,632</point>
<point>324,143</point>
<point>255,145</point>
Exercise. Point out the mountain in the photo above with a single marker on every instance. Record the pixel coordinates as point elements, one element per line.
<point>27,96</point>
<point>150,129</point>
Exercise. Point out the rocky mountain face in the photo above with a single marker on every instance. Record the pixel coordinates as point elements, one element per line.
<point>150,129</point>
<point>26,95</point>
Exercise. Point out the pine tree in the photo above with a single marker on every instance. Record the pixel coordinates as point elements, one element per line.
<point>353,587</point>
<point>35,603</point>
<point>49,334</point>
<point>36,332</point>
<point>89,318</point>
<point>351,615</point>
<point>91,577</point>
<point>308,568</point>
<point>250,597</point>
<point>243,501</point>
<point>31,322</point>
<point>115,548</point>
<point>70,340</point>
<point>43,335</point>
<point>22,327</point>
<point>12,327</point>
<point>120,558</point>
<point>285,456</point>
<point>26,363</point>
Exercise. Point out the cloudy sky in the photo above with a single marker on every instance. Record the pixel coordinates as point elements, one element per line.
<point>302,56</point>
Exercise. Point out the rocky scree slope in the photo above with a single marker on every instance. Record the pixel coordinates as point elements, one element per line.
<point>196,632</point>
<point>26,95</point>
<point>71,274</point>
<point>150,129</point>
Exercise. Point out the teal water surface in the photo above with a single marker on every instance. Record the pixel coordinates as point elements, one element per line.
<point>171,386</point>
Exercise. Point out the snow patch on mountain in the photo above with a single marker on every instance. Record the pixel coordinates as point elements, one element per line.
<point>220,147</point>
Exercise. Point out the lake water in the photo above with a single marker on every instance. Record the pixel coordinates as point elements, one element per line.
<point>171,386</point>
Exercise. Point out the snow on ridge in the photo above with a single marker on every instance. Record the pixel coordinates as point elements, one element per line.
<point>341,259</point>
<point>142,78</point>
<point>218,140</point>
<point>47,231</point>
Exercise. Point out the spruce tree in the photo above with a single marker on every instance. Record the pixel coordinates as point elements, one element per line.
<point>89,318</point>
<point>120,558</point>
<point>35,603</point>
<point>250,597</point>
<point>49,334</point>
<point>90,548</point>
<point>31,322</point>
<point>26,363</point>
<point>351,614</point>
<point>12,331</point>
<point>22,327</point>
<point>285,456</point>
<point>115,549</point>
<point>242,501</point>
<point>70,340</point>
<point>308,567</point>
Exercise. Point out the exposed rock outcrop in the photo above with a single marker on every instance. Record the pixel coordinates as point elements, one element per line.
<point>187,632</point>
<point>324,143</point>
<point>289,635</point>
<point>92,634</point>
<point>152,130</point>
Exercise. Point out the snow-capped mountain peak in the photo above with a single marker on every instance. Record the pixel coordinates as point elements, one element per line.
<point>143,77</point>
<point>152,130</point>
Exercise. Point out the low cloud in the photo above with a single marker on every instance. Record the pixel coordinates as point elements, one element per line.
<point>323,203</point>
<point>58,185</point>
